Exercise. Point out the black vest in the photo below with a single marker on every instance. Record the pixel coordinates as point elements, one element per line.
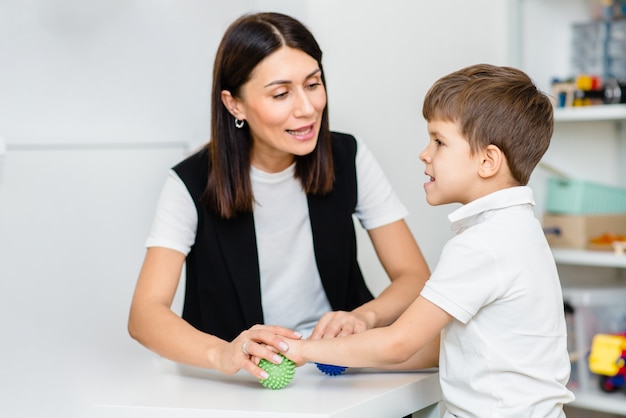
<point>223,295</point>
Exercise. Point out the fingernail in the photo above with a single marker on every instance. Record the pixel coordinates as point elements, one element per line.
<point>264,375</point>
<point>278,359</point>
<point>283,346</point>
<point>298,335</point>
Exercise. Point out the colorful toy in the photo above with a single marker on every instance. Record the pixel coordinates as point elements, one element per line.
<point>608,359</point>
<point>330,369</point>
<point>279,374</point>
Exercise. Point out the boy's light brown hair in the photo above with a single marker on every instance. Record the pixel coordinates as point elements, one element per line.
<point>499,106</point>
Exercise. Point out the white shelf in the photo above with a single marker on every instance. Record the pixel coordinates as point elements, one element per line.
<point>611,403</point>
<point>613,112</point>
<point>589,258</point>
<point>594,295</point>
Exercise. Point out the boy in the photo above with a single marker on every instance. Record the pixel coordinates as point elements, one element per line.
<point>495,298</point>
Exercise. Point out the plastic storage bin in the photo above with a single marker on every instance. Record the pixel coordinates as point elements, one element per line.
<point>597,310</point>
<point>579,197</point>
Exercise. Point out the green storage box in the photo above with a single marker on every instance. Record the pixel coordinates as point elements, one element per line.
<point>579,197</point>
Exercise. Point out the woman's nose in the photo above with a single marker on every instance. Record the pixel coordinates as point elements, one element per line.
<point>303,105</point>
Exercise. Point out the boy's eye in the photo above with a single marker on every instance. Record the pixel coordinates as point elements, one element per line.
<point>438,142</point>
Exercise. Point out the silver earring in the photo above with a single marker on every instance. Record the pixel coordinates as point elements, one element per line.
<point>239,123</point>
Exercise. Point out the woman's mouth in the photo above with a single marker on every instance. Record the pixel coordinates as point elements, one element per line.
<point>304,133</point>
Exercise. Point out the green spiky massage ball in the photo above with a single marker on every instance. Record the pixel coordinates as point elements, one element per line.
<point>279,374</point>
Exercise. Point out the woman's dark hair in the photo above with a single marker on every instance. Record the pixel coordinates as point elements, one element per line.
<point>247,42</point>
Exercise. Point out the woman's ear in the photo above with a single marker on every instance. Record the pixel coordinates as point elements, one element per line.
<point>491,162</point>
<point>232,104</point>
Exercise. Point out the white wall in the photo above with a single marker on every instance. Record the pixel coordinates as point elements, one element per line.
<point>118,71</point>
<point>545,42</point>
<point>106,71</point>
<point>72,227</point>
<point>99,98</point>
<point>380,59</point>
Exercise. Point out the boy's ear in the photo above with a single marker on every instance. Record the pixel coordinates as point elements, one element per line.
<point>232,104</point>
<point>492,160</point>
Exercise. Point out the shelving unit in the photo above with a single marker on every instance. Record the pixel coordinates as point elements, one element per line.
<point>616,113</point>
<point>589,144</point>
<point>589,300</point>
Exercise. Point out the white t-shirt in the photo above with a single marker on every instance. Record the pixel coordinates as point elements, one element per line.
<point>291,288</point>
<point>504,354</point>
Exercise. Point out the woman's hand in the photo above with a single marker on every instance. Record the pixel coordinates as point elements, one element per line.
<point>338,324</point>
<point>245,351</point>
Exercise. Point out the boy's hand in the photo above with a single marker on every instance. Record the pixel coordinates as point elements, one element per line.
<point>294,353</point>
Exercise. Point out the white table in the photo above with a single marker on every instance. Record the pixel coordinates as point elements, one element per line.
<point>158,388</point>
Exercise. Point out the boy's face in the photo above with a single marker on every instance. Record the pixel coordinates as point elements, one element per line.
<point>452,170</point>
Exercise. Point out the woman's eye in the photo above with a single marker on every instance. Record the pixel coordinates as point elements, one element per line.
<point>314,85</point>
<point>280,95</point>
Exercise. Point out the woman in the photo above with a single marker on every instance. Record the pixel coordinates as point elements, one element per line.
<point>261,217</point>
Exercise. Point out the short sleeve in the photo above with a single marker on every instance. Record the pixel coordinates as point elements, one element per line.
<point>176,218</point>
<point>466,278</point>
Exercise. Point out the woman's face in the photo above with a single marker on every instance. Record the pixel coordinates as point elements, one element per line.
<point>282,104</point>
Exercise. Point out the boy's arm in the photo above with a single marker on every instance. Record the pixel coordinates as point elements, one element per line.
<point>425,358</point>
<point>410,342</point>
<point>407,270</point>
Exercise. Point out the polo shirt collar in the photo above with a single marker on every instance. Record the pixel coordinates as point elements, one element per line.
<point>474,212</point>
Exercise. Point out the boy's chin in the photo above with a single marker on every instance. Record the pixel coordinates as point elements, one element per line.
<point>433,201</point>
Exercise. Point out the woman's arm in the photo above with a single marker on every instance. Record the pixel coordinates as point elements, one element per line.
<point>153,323</point>
<point>407,269</point>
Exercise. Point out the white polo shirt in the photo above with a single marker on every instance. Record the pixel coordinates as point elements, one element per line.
<point>505,352</point>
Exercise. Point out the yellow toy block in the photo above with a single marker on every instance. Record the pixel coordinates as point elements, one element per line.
<point>606,354</point>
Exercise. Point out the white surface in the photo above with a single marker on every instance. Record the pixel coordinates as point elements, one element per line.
<point>589,258</point>
<point>3,151</point>
<point>594,295</point>
<point>615,112</point>
<point>612,403</point>
<point>154,387</point>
